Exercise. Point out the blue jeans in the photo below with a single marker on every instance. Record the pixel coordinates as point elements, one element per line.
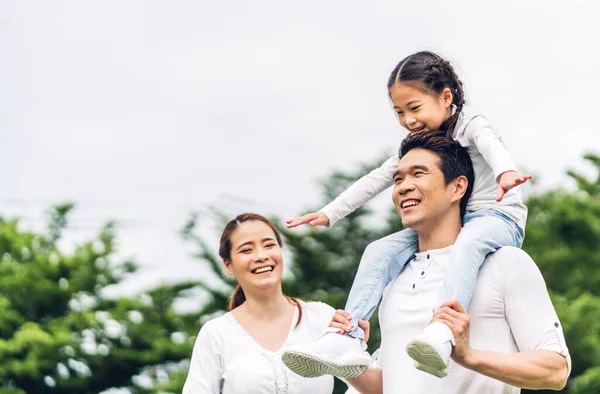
<point>483,232</point>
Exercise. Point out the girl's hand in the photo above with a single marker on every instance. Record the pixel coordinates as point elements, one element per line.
<point>508,180</point>
<point>314,219</point>
<point>342,321</point>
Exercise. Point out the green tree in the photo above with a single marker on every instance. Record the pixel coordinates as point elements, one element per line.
<point>60,334</point>
<point>563,237</point>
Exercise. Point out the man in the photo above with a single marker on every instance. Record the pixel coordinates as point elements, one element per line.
<point>511,336</point>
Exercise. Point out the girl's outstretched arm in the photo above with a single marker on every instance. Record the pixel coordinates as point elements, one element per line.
<point>480,133</point>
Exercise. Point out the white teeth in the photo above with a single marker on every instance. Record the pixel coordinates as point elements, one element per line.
<point>263,269</point>
<point>410,203</point>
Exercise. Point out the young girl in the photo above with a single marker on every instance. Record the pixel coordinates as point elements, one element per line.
<point>427,96</point>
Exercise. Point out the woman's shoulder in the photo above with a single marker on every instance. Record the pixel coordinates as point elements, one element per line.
<point>215,325</point>
<point>317,308</point>
<point>316,317</point>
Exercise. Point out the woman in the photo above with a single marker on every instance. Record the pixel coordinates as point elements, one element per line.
<point>240,352</point>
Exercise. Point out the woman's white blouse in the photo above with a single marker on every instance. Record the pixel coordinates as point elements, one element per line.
<point>227,360</point>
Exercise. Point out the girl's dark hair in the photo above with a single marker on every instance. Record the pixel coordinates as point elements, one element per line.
<point>430,71</point>
<point>238,297</point>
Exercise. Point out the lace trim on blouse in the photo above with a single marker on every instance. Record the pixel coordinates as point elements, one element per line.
<point>280,371</point>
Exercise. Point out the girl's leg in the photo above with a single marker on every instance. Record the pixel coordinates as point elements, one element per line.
<point>483,232</point>
<point>381,262</point>
<point>345,356</point>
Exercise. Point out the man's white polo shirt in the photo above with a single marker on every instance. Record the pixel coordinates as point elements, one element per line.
<point>510,312</point>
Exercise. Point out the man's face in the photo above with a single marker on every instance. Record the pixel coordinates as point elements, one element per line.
<point>421,195</point>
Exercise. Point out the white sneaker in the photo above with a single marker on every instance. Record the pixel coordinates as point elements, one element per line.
<point>332,354</point>
<point>431,350</point>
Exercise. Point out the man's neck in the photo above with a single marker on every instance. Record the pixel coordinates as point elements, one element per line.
<point>442,234</point>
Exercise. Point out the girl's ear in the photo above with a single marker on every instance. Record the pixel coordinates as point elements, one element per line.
<point>446,97</point>
<point>227,265</point>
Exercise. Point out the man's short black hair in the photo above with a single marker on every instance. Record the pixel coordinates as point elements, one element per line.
<point>454,159</point>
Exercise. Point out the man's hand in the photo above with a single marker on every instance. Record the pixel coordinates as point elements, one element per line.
<point>314,219</point>
<point>342,321</point>
<point>453,315</point>
<point>508,180</point>
<point>535,369</point>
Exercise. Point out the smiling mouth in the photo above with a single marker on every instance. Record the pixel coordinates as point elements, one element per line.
<point>409,203</point>
<point>418,129</point>
<point>262,270</point>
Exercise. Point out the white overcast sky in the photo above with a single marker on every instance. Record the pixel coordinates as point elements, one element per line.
<point>144,110</point>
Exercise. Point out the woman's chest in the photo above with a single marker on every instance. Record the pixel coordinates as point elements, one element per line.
<point>251,370</point>
<point>270,337</point>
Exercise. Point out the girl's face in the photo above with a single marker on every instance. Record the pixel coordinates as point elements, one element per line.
<point>256,258</point>
<point>419,110</point>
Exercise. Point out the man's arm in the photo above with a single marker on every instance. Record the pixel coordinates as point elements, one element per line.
<point>370,382</point>
<point>535,369</point>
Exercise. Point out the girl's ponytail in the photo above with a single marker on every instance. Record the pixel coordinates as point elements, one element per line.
<point>458,97</point>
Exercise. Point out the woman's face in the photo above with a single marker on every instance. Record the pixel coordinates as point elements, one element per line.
<point>256,258</point>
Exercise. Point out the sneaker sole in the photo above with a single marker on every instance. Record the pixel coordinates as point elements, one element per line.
<point>440,373</point>
<point>427,358</point>
<point>311,365</point>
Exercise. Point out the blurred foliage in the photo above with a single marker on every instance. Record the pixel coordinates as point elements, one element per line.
<point>59,334</point>
<point>563,238</point>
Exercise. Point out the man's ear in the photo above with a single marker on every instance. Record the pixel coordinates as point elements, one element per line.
<point>227,265</point>
<point>460,188</point>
